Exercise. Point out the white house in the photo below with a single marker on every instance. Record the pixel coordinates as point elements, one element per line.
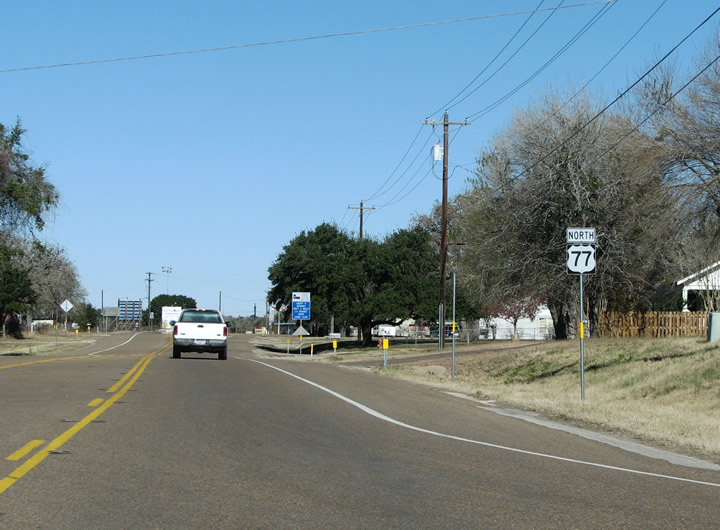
<point>539,328</point>
<point>705,283</point>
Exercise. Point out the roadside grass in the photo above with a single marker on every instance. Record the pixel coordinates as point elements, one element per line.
<point>36,345</point>
<point>661,391</point>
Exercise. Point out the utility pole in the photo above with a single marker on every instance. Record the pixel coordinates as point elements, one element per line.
<point>149,280</point>
<point>443,220</point>
<point>361,208</point>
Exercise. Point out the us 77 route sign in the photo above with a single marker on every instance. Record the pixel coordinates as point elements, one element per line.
<point>581,259</point>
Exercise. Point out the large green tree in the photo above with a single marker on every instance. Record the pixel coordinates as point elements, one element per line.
<point>318,261</point>
<point>26,198</point>
<point>168,300</point>
<point>358,282</point>
<point>85,316</point>
<point>16,293</point>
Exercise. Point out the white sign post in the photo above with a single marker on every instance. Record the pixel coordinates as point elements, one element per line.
<point>581,260</point>
<point>66,306</point>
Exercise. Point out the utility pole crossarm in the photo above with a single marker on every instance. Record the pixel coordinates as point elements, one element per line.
<point>437,123</point>
<point>361,208</point>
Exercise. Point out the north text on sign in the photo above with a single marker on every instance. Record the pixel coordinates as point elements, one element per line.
<point>581,235</point>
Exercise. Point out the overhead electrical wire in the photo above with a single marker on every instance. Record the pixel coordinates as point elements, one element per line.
<point>377,193</point>
<point>593,20</point>
<point>284,41</point>
<point>449,104</point>
<point>614,56</point>
<point>620,50</point>
<point>552,11</point>
<point>618,98</point>
<point>392,201</point>
<point>657,109</point>
<point>420,151</point>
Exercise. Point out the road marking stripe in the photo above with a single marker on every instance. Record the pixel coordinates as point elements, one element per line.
<point>38,362</point>
<point>129,374</point>
<point>25,450</point>
<point>95,402</point>
<point>58,442</point>
<point>388,419</point>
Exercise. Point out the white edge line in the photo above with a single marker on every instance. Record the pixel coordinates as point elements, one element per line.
<point>382,417</point>
<point>117,345</point>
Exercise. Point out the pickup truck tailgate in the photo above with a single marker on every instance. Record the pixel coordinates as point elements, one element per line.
<point>200,331</point>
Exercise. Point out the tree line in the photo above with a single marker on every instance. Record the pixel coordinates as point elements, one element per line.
<point>358,282</point>
<point>644,173</point>
<point>35,277</point>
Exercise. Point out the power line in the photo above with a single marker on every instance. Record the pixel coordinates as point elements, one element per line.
<point>621,95</point>
<point>605,109</point>
<point>284,41</point>
<point>449,105</point>
<point>615,55</point>
<point>657,109</point>
<point>593,20</point>
<point>627,43</point>
<point>553,10</point>
<point>377,193</point>
<point>486,81</point>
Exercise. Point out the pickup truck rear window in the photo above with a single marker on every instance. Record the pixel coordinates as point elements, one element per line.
<point>200,316</point>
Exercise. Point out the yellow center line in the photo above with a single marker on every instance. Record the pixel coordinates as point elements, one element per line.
<point>58,442</point>
<point>43,361</point>
<point>130,373</point>
<point>29,447</point>
<point>95,402</point>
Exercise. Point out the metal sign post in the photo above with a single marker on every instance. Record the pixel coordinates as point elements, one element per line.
<point>581,260</point>
<point>582,341</point>
<point>441,327</point>
<point>453,330</point>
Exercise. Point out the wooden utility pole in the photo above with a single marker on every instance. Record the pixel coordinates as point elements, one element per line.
<point>443,220</point>
<point>361,208</point>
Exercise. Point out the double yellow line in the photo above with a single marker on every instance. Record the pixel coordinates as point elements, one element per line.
<point>119,389</point>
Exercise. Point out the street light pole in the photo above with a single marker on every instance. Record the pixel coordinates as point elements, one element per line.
<point>149,280</point>
<point>167,270</point>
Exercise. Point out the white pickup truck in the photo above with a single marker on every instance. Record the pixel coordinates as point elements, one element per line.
<point>200,330</point>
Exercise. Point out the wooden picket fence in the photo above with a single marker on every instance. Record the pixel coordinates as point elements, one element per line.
<point>653,324</point>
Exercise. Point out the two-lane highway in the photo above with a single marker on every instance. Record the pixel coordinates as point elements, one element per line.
<point>256,442</point>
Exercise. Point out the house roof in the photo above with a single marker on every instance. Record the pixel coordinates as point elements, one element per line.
<point>707,271</point>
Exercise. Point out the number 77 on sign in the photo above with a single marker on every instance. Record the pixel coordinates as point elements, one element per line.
<point>581,259</point>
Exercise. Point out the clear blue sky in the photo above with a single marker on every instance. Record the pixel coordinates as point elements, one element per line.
<point>211,162</point>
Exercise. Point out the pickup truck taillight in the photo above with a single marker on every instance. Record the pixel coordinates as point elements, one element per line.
<point>175,330</point>
<point>225,331</point>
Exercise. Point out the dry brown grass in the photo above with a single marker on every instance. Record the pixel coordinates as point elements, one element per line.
<point>665,392</point>
<point>37,345</point>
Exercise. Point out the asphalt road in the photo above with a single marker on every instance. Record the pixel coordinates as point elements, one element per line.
<point>131,438</point>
